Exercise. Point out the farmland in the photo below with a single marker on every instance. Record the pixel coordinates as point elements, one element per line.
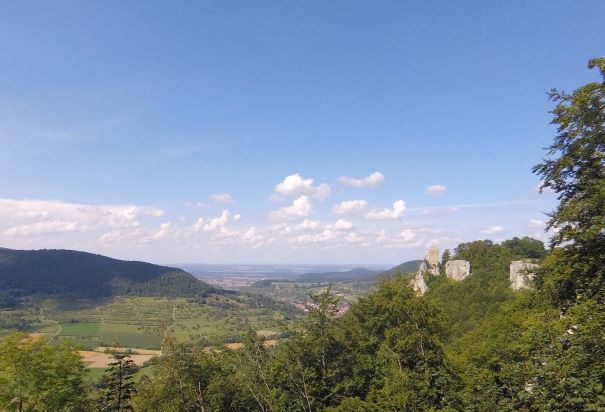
<point>142,322</point>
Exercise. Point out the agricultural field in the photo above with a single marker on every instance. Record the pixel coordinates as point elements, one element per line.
<point>142,322</point>
<point>297,293</point>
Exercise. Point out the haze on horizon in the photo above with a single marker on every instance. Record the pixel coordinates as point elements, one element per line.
<point>280,132</point>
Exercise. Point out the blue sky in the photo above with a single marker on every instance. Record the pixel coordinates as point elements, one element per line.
<point>119,121</point>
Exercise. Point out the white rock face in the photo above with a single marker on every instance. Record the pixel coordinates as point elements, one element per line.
<point>418,282</point>
<point>521,274</point>
<point>457,269</point>
<point>430,266</point>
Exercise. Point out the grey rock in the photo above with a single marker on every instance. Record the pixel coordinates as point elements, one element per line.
<point>522,273</point>
<point>457,269</point>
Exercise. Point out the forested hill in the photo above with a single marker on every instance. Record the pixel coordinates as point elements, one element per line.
<point>74,274</point>
<point>406,267</point>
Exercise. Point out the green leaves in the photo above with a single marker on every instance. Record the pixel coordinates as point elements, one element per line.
<point>35,376</point>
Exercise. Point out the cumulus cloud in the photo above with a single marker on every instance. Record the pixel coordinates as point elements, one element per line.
<point>222,198</point>
<point>494,230</point>
<point>436,189</point>
<point>300,208</point>
<point>408,234</point>
<point>309,225</point>
<point>387,214</point>
<point>209,225</point>
<point>164,230</point>
<point>370,180</point>
<point>340,225</point>
<point>350,206</point>
<point>48,216</point>
<point>537,224</point>
<point>41,228</point>
<point>296,185</point>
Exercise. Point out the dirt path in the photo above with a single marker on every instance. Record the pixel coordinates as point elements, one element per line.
<point>57,333</point>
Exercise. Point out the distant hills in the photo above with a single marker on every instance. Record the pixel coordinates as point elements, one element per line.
<point>411,266</point>
<point>358,274</point>
<point>69,273</point>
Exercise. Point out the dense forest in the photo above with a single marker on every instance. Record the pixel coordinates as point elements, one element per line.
<point>474,345</point>
<point>72,274</point>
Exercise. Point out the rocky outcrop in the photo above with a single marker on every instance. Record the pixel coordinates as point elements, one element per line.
<point>418,282</point>
<point>429,266</point>
<point>431,262</point>
<point>522,273</point>
<point>457,269</point>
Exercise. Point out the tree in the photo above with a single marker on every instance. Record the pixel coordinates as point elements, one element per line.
<point>445,257</point>
<point>563,368</point>
<point>575,171</point>
<point>120,385</point>
<point>35,376</point>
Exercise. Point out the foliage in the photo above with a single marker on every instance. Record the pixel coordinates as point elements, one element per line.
<point>35,376</point>
<point>575,171</point>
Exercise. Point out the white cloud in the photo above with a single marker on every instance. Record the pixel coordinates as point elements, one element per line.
<point>436,189</point>
<point>309,225</point>
<point>370,180</point>
<point>41,228</point>
<point>222,198</point>
<point>340,225</point>
<point>295,185</point>
<point>494,230</point>
<point>300,207</point>
<point>251,235</point>
<point>387,214</point>
<point>165,228</point>
<point>84,216</point>
<point>537,224</point>
<point>354,237</point>
<point>209,225</point>
<point>225,232</point>
<point>322,237</point>
<point>350,206</point>
<point>408,235</point>
<point>237,217</point>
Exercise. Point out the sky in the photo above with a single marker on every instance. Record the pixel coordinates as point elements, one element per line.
<point>281,132</point>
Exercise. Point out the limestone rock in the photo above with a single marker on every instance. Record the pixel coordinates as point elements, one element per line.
<point>457,269</point>
<point>418,282</point>
<point>521,273</point>
<point>430,266</point>
<point>431,262</point>
<point>432,256</point>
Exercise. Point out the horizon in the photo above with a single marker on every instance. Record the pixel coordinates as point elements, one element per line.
<point>281,133</point>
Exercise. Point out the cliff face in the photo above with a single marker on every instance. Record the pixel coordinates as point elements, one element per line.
<point>418,282</point>
<point>457,269</point>
<point>522,273</point>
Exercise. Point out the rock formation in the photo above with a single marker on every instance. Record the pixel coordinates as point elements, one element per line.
<point>457,269</point>
<point>431,262</point>
<point>419,284</point>
<point>430,265</point>
<point>521,273</point>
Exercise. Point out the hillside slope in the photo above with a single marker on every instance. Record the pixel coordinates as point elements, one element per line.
<point>411,266</point>
<point>69,273</point>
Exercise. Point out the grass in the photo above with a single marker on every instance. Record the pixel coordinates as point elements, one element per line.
<point>80,329</point>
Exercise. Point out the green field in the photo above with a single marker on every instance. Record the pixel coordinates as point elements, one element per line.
<point>80,329</point>
<point>141,322</point>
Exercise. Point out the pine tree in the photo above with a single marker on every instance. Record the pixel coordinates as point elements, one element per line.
<point>120,384</point>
